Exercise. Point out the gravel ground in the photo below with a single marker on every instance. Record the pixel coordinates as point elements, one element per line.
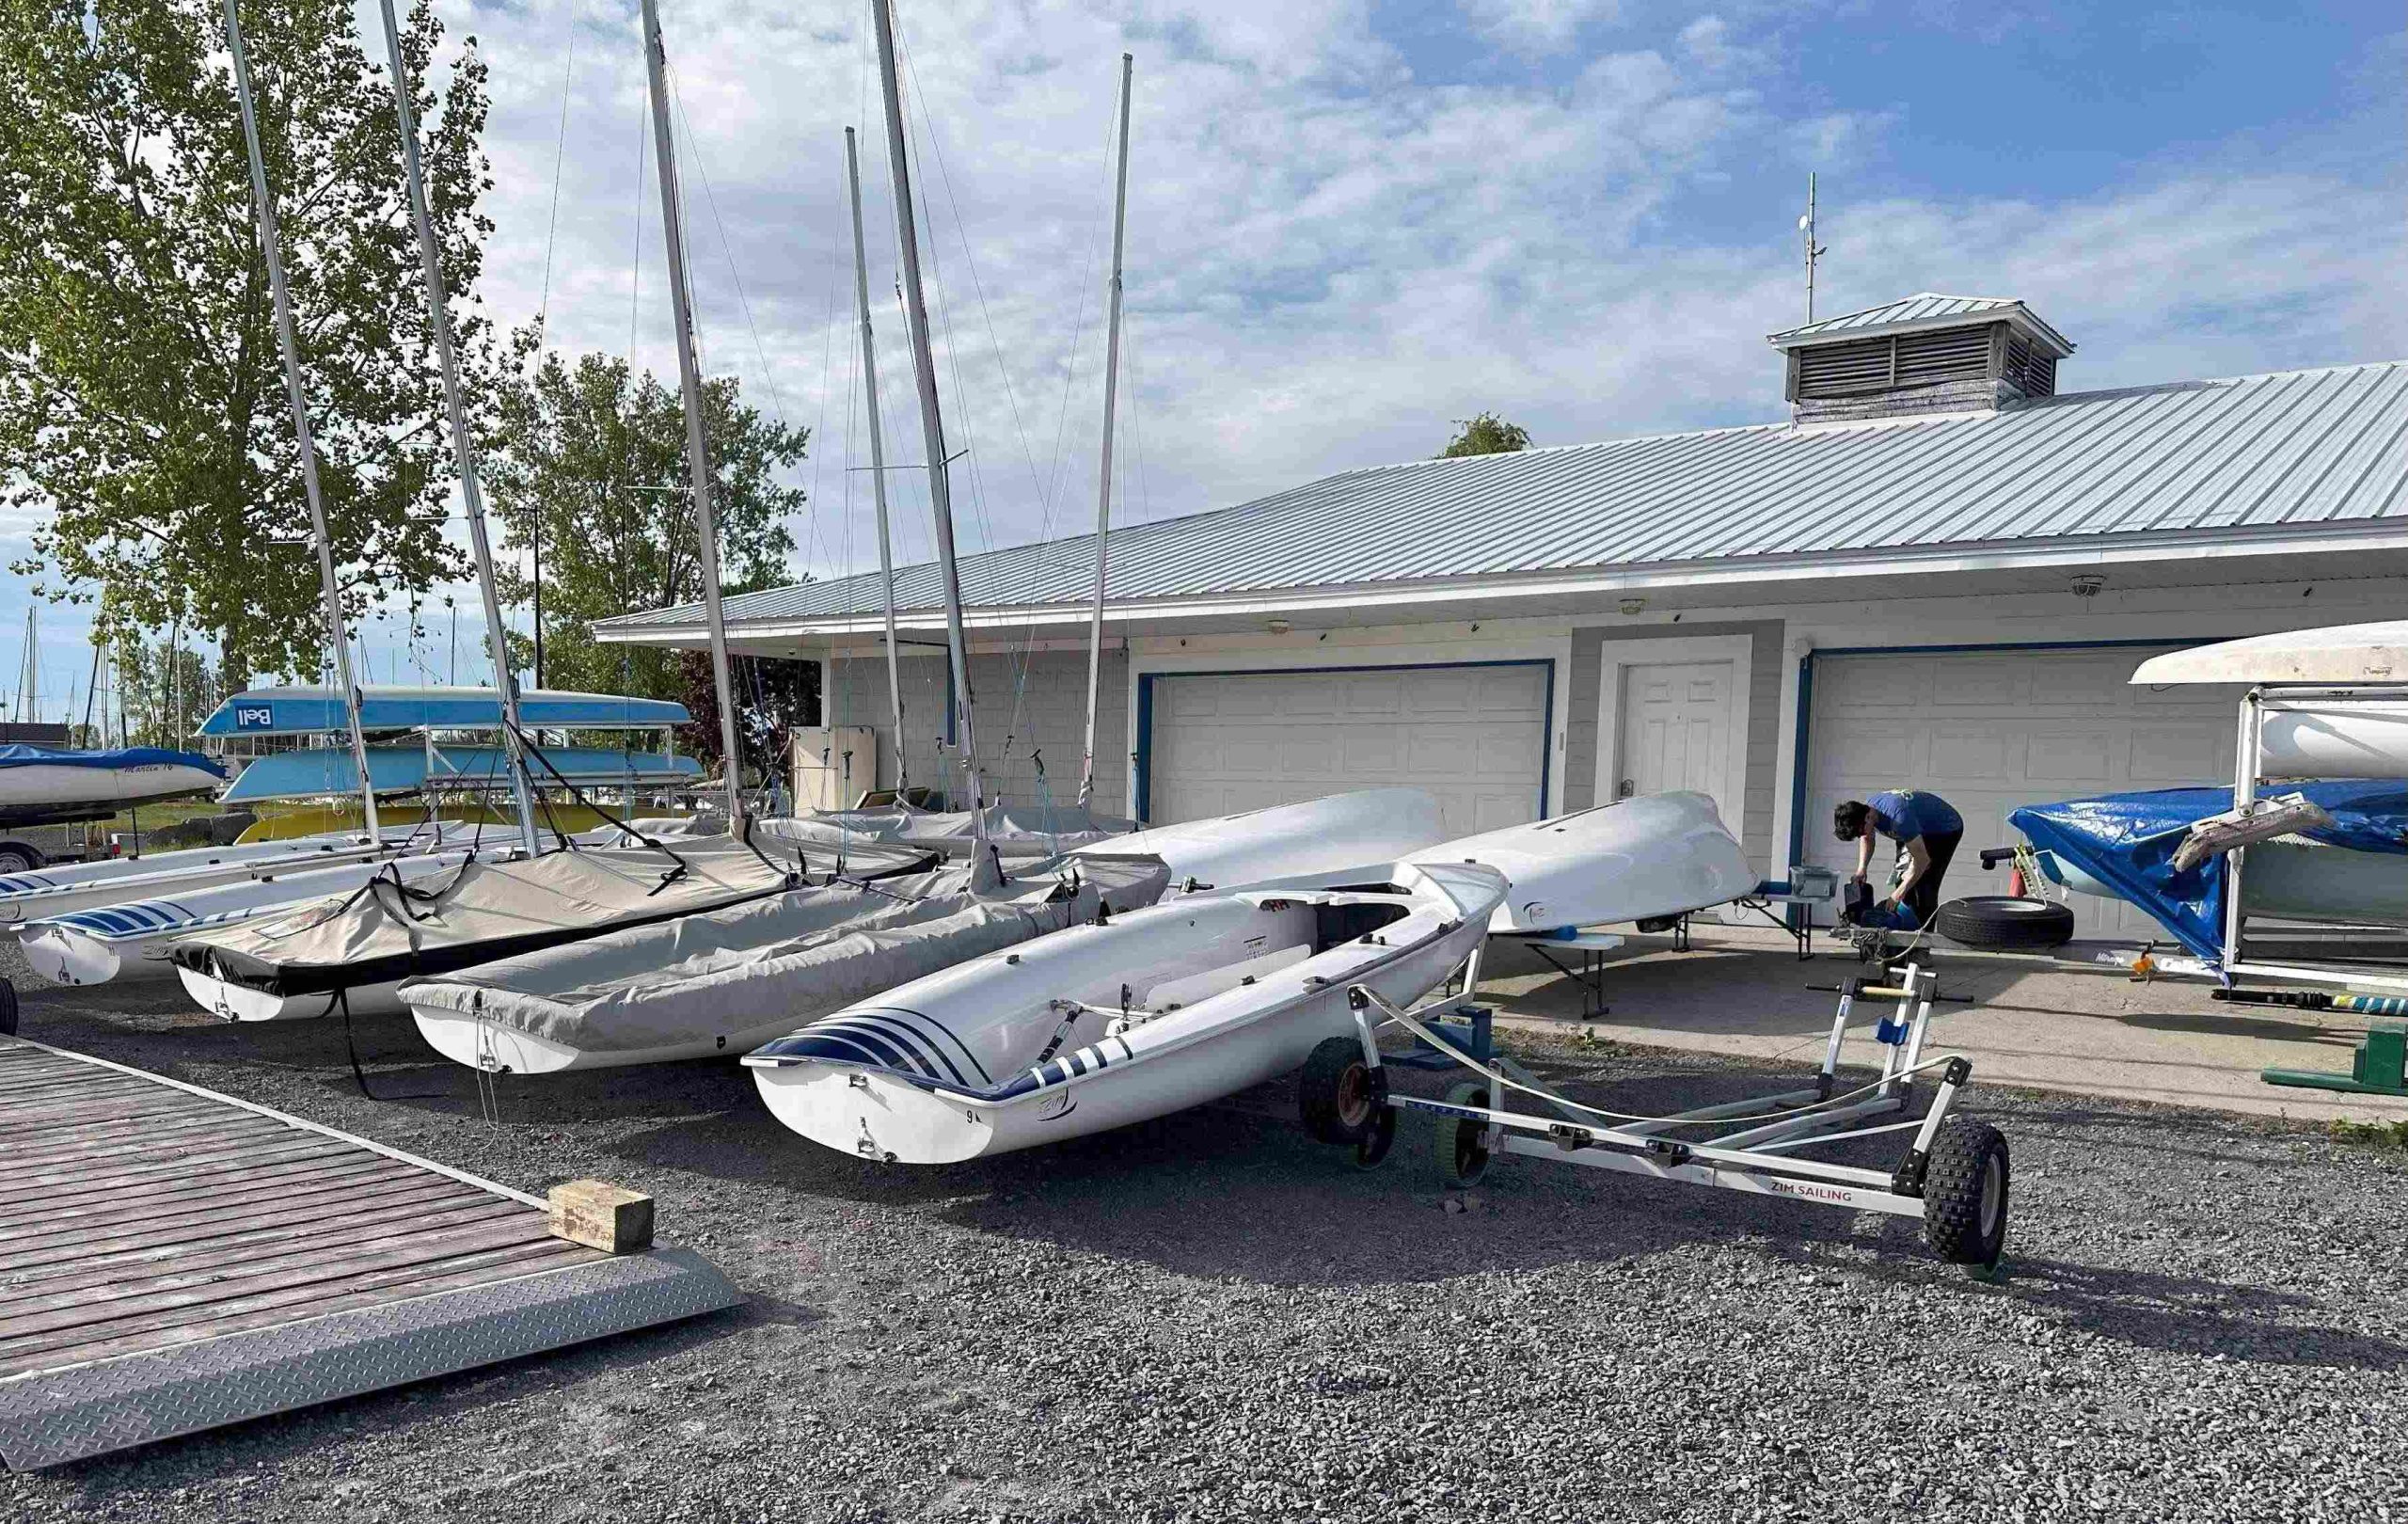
<point>1210,1318</point>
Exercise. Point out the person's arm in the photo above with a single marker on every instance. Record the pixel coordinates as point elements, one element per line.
<point>1864,852</point>
<point>1917,863</point>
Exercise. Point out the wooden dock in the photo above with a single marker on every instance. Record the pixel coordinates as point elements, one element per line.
<point>172,1259</point>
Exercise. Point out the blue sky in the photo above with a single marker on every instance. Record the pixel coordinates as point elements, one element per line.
<point>1353,222</point>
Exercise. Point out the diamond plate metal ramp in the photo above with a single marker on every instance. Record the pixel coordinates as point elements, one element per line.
<point>173,1259</point>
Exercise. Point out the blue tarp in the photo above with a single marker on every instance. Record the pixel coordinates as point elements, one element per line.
<point>123,756</point>
<point>2128,842</point>
<point>398,769</point>
<point>303,711</point>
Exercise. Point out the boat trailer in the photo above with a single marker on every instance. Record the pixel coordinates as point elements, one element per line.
<point>1954,1175</point>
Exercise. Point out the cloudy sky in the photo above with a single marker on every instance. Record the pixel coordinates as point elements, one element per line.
<point>1352,223</point>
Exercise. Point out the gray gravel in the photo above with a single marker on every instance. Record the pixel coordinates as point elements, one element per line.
<point>1209,1318</point>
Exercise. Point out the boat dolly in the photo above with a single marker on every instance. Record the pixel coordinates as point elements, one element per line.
<point>1954,1175</point>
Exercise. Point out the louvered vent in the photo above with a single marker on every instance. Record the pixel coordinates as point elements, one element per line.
<point>1885,364</point>
<point>2032,372</point>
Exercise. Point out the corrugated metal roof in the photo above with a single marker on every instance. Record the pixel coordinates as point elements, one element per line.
<point>2295,448</point>
<point>1923,307</point>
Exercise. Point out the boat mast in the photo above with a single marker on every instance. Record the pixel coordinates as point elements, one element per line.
<point>265,205</point>
<point>689,376</point>
<point>924,368</point>
<point>876,466</point>
<point>1103,474</point>
<point>464,454</point>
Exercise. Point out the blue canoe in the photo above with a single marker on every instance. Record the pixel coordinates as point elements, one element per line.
<point>314,711</point>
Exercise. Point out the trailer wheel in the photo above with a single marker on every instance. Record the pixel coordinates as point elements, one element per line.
<point>7,1008</point>
<point>16,859</point>
<point>1965,1191</point>
<point>1379,1136</point>
<point>2005,923</point>
<point>1338,1095</point>
<point>1463,1150</point>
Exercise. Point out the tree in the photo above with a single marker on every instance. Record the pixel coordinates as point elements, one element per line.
<point>592,458</point>
<point>773,698</point>
<point>167,689</point>
<point>1486,434</point>
<point>142,403</point>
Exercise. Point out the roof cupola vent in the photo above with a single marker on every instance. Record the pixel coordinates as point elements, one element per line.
<point>1926,353</point>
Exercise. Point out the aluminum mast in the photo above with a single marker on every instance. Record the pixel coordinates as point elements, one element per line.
<point>877,467</point>
<point>1103,475</point>
<point>332,589</point>
<point>464,454</point>
<point>690,377</point>
<point>931,422</point>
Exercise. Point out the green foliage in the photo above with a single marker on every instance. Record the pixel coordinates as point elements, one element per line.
<point>1486,434</point>
<point>592,457</point>
<point>2372,1135</point>
<point>142,405</point>
<point>772,698</point>
<point>167,689</point>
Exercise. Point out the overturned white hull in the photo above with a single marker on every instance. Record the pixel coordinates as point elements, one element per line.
<point>42,784</point>
<point>1098,1027</point>
<point>2357,740</point>
<point>1330,840</point>
<point>1633,859</point>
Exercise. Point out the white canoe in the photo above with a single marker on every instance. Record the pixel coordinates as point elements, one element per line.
<point>1331,840</point>
<point>131,939</point>
<point>1633,859</point>
<point>45,893</point>
<point>1101,1025</point>
<point>722,982</point>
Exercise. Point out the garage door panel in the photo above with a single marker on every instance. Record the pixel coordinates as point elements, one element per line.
<point>1992,732</point>
<point>2072,756</point>
<point>1476,737</point>
<point>2171,755</point>
<point>1987,683</point>
<point>1984,752</point>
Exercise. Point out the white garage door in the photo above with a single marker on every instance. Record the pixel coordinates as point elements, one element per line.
<point>1474,736</point>
<point>1991,731</point>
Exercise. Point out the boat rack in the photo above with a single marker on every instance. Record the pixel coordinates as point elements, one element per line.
<point>1952,1177</point>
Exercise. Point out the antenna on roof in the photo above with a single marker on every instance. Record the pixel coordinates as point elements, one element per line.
<point>1814,250</point>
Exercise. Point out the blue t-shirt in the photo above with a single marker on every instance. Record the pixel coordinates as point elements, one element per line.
<point>1906,815</point>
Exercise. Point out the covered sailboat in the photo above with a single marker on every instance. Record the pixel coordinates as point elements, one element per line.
<point>359,948</point>
<point>726,981</point>
<point>1102,1026</point>
<point>55,890</point>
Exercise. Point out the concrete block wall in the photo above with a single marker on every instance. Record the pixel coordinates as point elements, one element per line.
<point>1025,705</point>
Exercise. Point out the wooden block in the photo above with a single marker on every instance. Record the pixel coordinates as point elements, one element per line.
<point>601,1216</point>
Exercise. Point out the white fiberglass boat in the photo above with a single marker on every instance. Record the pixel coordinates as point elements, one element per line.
<point>1633,859</point>
<point>725,981</point>
<point>1333,840</point>
<point>1012,830</point>
<point>354,951</point>
<point>45,893</point>
<point>130,939</point>
<point>1101,1026</point>
<point>40,782</point>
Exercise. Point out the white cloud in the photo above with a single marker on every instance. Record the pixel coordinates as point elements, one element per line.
<point>1537,25</point>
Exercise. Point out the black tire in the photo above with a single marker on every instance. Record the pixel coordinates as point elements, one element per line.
<point>1372,1149</point>
<point>19,860</point>
<point>1462,1148</point>
<point>7,1008</point>
<point>1965,1193</point>
<point>2005,923</point>
<point>1337,1095</point>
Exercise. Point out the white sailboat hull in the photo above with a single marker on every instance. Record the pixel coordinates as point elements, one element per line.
<point>1632,860</point>
<point>46,893</point>
<point>2356,740</point>
<point>34,785</point>
<point>1227,991</point>
<point>1331,840</point>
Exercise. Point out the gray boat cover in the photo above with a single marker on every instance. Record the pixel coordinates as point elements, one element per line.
<point>494,908</point>
<point>1015,829</point>
<point>754,971</point>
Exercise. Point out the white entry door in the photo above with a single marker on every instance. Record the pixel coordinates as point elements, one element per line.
<point>1676,732</point>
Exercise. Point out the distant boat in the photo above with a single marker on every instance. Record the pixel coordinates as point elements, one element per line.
<point>39,782</point>
<point>319,711</point>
